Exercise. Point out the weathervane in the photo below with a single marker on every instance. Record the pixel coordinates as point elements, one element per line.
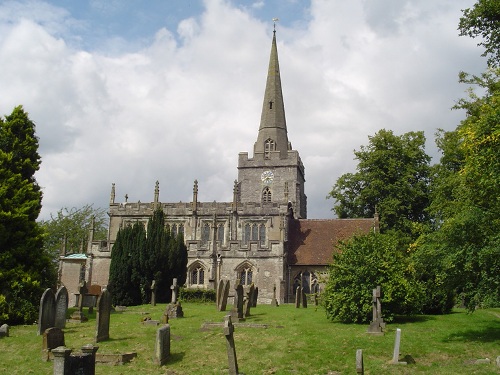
<point>275,20</point>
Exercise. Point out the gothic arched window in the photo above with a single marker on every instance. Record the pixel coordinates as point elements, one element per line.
<point>205,233</point>
<point>245,276</point>
<point>262,234</point>
<point>198,275</point>
<point>246,234</point>
<point>220,233</point>
<point>269,145</point>
<point>266,195</point>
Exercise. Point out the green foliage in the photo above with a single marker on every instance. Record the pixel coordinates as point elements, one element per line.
<point>392,177</point>
<point>483,21</point>
<point>359,266</point>
<point>70,227</point>
<point>197,295</point>
<point>138,259</point>
<point>25,269</point>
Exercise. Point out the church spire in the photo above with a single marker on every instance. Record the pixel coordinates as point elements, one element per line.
<point>272,131</point>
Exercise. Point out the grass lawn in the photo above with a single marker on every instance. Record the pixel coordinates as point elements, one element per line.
<point>296,341</point>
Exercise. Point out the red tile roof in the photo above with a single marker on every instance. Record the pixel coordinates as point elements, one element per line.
<point>312,242</point>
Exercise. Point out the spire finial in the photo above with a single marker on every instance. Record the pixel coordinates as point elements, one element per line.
<point>274,21</point>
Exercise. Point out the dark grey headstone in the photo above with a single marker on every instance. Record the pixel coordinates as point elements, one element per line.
<point>162,345</point>
<point>255,296</point>
<point>231,349</point>
<point>225,295</point>
<point>62,300</point>
<point>52,338</point>
<point>103,316</point>
<point>47,311</point>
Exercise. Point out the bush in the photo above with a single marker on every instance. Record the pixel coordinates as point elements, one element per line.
<point>197,295</point>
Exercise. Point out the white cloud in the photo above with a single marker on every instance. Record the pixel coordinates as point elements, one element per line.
<point>179,110</point>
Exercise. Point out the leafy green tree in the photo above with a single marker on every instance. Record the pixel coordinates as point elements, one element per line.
<point>393,175</point>
<point>25,269</point>
<point>483,21</point>
<point>361,264</point>
<point>71,227</point>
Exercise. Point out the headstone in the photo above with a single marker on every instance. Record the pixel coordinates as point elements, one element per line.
<point>47,311</point>
<point>231,349</point>
<point>66,363</point>
<point>274,301</point>
<point>397,343</point>
<point>103,316</point>
<point>153,293</point>
<point>52,338</point>
<point>255,296</point>
<point>304,299</point>
<point>237,310</point>
<point>360,369</point>
<point>4,330</point>
<point>377,325</point>
<point>78,315</point>
<point>248,301</point>
<point>62,300</point>
<point>220,289</point>
<point>162,345</point>
<point>225,295</point>
<point>174,308</point>
<point>298,297</point>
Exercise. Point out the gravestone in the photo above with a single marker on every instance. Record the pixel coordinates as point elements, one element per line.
<point>237,310</point>
<point>304,299</point>
<point>255,296</point>
<point>397,343</point>
<point>4,330</point>
<point>231,349</point>
<point>174,308</point>
<point>47,311</point>
<point>78,315</point>
<point>66,363</point>
<point>62,300</point>
<point>162,345</point>
<point>377,325</point>
<point>103,316</point>
<point>274,301</point>
<point>298,297</point>
<point>218,297</point>
<point>90,298</point>
<point>248,301</point>
<point>360,368</point>
<point>225,295</point>
<point>153,293</point>
<point>52,338</point>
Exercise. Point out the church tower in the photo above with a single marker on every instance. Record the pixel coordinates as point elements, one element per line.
<point>275,174</point>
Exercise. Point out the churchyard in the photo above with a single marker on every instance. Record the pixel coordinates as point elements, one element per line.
<point>272,340</point>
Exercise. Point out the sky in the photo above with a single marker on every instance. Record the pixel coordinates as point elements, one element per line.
<point>131,92</point>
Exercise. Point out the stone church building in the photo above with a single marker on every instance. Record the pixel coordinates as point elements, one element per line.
<point>262,236</point>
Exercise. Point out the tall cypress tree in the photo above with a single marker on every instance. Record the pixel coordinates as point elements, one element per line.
<point>25,270</point>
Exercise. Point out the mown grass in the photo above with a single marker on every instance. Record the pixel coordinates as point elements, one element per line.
<point>296,341</point>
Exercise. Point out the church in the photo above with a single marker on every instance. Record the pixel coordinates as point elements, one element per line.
<point>262,236</point>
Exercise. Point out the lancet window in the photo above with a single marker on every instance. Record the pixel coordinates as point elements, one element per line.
<point>245,276</point>
<point>266,195</point>
<point>205,233</point>
<point>254,232</point>
<point>197,275</point>
<point>269,145</point>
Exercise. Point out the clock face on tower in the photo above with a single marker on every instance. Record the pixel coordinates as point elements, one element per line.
<point>267,177</point>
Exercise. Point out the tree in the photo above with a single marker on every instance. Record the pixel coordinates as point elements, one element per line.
<point>483,21</point>
<point>361,264</point>
<point>25,269</point>
<point>71,227</point>
<point>393,175</point>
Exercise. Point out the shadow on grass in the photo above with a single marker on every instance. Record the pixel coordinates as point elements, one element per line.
<point>175,357</point>
<point>403,319</point>
<point>488,333</point>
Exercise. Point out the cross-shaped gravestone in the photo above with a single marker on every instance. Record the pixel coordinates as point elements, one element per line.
<point>231,349</point>
<point>175,290</point>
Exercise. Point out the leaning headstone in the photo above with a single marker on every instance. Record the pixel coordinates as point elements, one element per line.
<point>225,295</point>
<point>231,349</point>
<point>377,325</point>
<point>248,300</point>
<point>52,338</point>
<point>153,293</point>
<point>174,308</point>
<point>397,343</point>
<point>4,330</point>
<point>360,369</point>
<point>274,301</point>
<point>78,315</point>
<point>103,316</point>
<point>62,300</point>
<point>218,297</point>
<point>46,313</point>
<point>298,297</point>
<point>237,310</point>
<point>162,345</point>
<point>255,296</point>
